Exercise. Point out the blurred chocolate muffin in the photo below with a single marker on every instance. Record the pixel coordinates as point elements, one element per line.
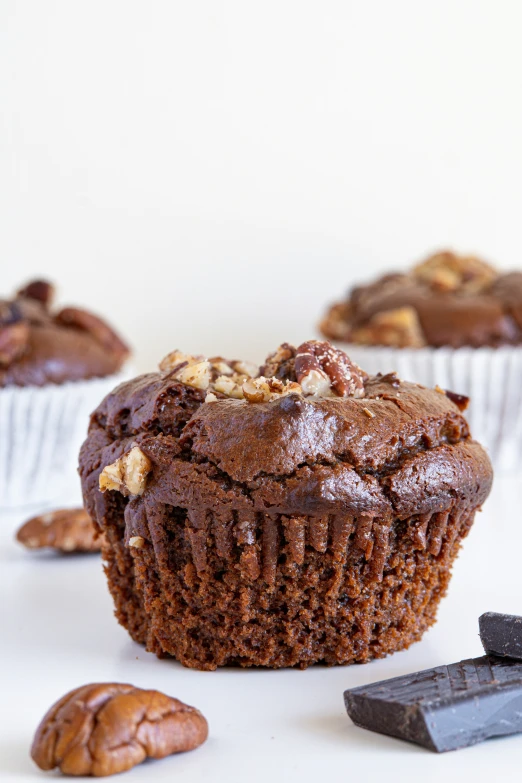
<point>39,345</point>
<point>296,514</point>
<point>55,367</point>
<point>447,300</point>
<point>454,321</point>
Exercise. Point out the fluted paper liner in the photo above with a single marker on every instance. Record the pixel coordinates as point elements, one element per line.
<point>41,431</point>
<point>276,590</point>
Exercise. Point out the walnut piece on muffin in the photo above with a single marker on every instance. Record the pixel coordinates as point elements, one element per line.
<point>446,300</point>
<point>297,513</point>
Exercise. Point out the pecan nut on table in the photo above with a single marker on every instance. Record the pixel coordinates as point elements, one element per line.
<point>106,728</point>
<point>65,530</point>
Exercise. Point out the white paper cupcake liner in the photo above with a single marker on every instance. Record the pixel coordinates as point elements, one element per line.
<point>41,431</point>
<point>491,377</point>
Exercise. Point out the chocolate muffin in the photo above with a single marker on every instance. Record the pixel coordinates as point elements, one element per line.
<point>452,320</point>
<point>40,346</point>
<point>296,514</point>
<point>55,366</point>
<point>447,300</point>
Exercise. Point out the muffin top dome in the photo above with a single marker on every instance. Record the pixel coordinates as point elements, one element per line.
<point>447,300</point>
<point>308,432</point>
<point>40,346</point>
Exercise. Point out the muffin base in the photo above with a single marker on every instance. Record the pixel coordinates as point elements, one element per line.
<point>280,591</point>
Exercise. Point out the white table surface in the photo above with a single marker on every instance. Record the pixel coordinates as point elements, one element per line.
<point>58,632</point>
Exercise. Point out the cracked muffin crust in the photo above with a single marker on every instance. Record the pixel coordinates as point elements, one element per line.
<point>447,300</point>
<point>309,514</point>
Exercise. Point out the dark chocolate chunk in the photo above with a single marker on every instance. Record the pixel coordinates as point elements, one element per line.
<point>501,634</point>
<point>445,708</point>
<point>460,400</point>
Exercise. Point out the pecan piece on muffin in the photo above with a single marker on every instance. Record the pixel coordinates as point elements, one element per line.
<point>309,514</point>
<point>106,728</point>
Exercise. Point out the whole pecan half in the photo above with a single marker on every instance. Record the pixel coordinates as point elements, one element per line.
<point>40,290</point>
<point>66,530</point>
<point>321,368</point>
<point>100,331</point>
<point>268,389</point>
<point>106,728</point>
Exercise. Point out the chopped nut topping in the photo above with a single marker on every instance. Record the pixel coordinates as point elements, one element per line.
<point>221,366</point>
<point>246,368</point>
<point>267,389</point>
<point>177,358</point>
<point>128,473</point>
<point>399,328</point>
<point>447,272</point>
<point>229,386</point>
<point>138,542</point>
<point>369,413</point>
<point>322,370</point>
<point>439,390</point>
<point>196,375</point>
<point>281,363</point>
<point>216,374</point>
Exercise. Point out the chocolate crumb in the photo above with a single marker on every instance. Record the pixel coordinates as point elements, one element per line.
<point>392,378</point>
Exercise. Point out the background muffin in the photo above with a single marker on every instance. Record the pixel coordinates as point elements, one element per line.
<point>309,514</point>
<point>55,366</point>
<point>454,321</point>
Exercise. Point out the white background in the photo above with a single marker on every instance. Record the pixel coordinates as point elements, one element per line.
<point>212,173</point>
<point>209,175</point>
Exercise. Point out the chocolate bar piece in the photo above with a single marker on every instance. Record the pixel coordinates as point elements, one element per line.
<point>445,708</point>
<point>501,634</point>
